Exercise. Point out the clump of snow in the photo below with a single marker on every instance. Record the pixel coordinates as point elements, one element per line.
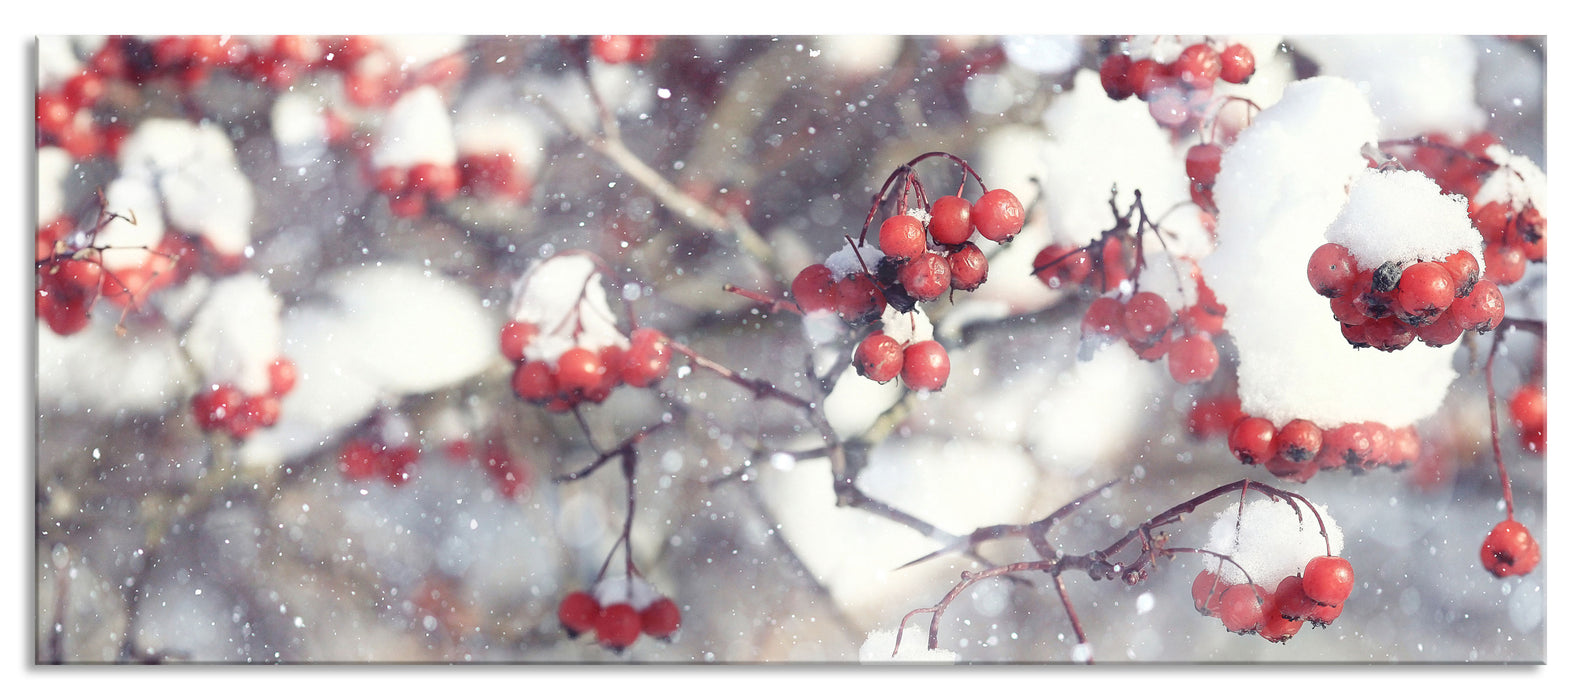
<point>564,297</point>
<point>300,127</point>
<point>1400,216</point>
<point>54,164</point>
<point>416,130</point>
<point>76,371</point>
<point>57,63</point>
<point>857,401</point>
<point>1043,53</point>
<point>490,120</point>
<point>845,261</point>
<point>1280,185</point>
<point>235,335</point>
<point>880,648</point>
<point>1415,83</point>
<point>126,239</point>
<point>195,169</point>
<point>855,55</point>
<point>632,590</point>
<point>1520,181</point>
<point>906,328</point>
<point>1271,541</point>
<point>1169,277</point>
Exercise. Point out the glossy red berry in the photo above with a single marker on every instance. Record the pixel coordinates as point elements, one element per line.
<point>578,611</point>
<point>1463,269</point>
<point>1147,317</point>
<point>1331,270</point>
<point>1492,220</point>
<point>515,336</point>
<point>1299,440</point>
<point>1510,550</point>
<point>261,411</point>
<point>926,277</point>
<point>1236,64</point>
<point>1530,233</point>
<point>534,381</point>
<point>1213,416</point>
<point>1104,317</point>
<point>1503,265</point>
<point>1325,615</point>
<point>1481,309</point>
<point>1291,601</point>
<point>1276,627</point>
<point>1202,163</point>
<point>814,288</point>
<point>1240,609</point>
<point>925,366</point>
<point>950,220</point>
<point>579,369</point>
<point>648,358</point>
<point>1529,407</point>
<point>1425,289</point>
<point>1251,440</point>
<point>1198,66</point>
<point>1193,358</point>
<point>969,267</point>
<point>617,626</point>
<point>1058,266</point>
<point>1112,76</point>
<point>216,407</point>
<point>1388,334</point>
<point>1327,580</point>
<point>998,215</point>
<point>661,618</point>
<point>901,236</point>
<point>1206,591</point>
<point>878,357</point>
<point>1350,441</point>
<point>859,300</point>
<point>1445,330</point>
<point>1146,76</point>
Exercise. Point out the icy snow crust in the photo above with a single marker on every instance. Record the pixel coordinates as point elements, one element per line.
<point>1400,216</point>
<point>1272,542</point>
<point>1280,185</point>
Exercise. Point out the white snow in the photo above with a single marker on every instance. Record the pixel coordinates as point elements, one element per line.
<point>1415,83</point>
<point>1400,216</point>
<point>1043,53</point>
<point>880,648</point>
<point>1272,542</point>
<point>54,165</point>
<point>416,50</point>
<point>57,63</point>
<point>906,328</point>
<point>845,261</point>
<point>616,587</point>
<point>490,120</point>
<point>77,372</point>
<point>135,199</point>
<point>564,297</point>
<point>195,169</point>
<point>416,130</point>
<point>235,335</point>
<point>1521,181</point>
<point>1279,187</point>
<point>298,123</point>
<point>856,55</point>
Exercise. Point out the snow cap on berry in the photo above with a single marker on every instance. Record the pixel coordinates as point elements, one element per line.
<point>558,288</point>
<point>906,328</point>
<point>235,335</point>
<point>486,122</point>
<point>1521,182</point>
<point>634,591</point>
<point>416,130</point>
<point>1400,216</point>
<point>1271,543</point>
<point>844,262</point>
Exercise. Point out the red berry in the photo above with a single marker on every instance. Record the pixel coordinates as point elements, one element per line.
<point>1350,442</point>
<point>83,90</point>
<point>1463,269</point>
<point>1530,233</point>
<point>878,357</point>
<point>902,236</point>
<point>969,267</point>
<point>1146,76</point>
<point>1291,600</point>
<point>1407,447</point>
<point>579,369</point>
<point>1193,358</point>
<point>216,408</point>
<point>1240,609</point>
<point>998,215</point>
<point>1492,220</point>
<point>1299,441</point>
<point>648,359</point>
<point>1510,550</point>
<point>1331,270</point>
<point>1325,615</point>
<point>1425,290</point>
<point>515,336</point>
<point>1388,334</point>
<point>1213,416</point>
<point>859,300</point>
<point>391,180</point>
<point>814,288</point>
<point>1481,309</point>
<point>440,181</point>
<point>282,376</point>
<point>1236,64</point>
<point>1202,163</point>
<point>534,381</point>
<point>926,277</point>
<point>409,205</point>
<point>398,463</point>
<point>1147,317</point>
<point>1112,75</point>
<point>1276,627</point>
<point>1503,265</point>
<point>661,618</point>
<point>1104,318</point>
<point>1327,580</point>
<point>359,459</point>
<point>1059,266</point>
<point>1197,66</point>
<point>1113,261</point>
<point>1206,591</point>
<point>1443,331</point>
<point>1529,408</point>
<point>950,220</point>
<point>925,366</point>
<point>1252,440</point>
<point>578,611</point>
<point>262,411</point>
<point>1284,468</point>
<point>1345,311</point>
<point>617,626</point>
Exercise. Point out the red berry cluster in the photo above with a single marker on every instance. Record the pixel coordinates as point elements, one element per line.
<point>1213,416</point>
<point>1300,448</point>
<point>581,374</point>
<point>1317,595</point>
<point>1153,330</point>
<point>1530,412</point>
<point>1390,306</point>
<point>922,365</point>
<point>493,176</point>
<point>1510,550</point>
<point>1456,168</point>
<point>1513,235</point>
<point>365,458</point>
<point>1060,266</point>
<point>224,407</point>
<point>623,48</point>
<point>187,59</point>
<point>63,116</point>
<point>1179,90</point>
<point>64,292</point>
<point>510,474</point>
<point>410,189</point>
<point>617,625</point>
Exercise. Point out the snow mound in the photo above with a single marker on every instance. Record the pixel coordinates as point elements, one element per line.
<point>195,170</point>
<point>1521,182</point>
<point>1400,216</point>
<point>416,130</point>
<point>235,335</point>
<point>127,242</point>
<point>1416,84</point>
<point>1271,542</point>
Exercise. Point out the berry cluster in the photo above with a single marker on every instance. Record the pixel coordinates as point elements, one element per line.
<point>1529,408</point>
<point>64,293</point>
<point>1514,233</point>
<point>493,175</point>
<point>619,610</point>
<point>224,407</point>
<point>1100,265</point>
<point>1181,89</point>
<point>923,253</point>
<point>1510,550</point>
<point>364,458</point>
<point>1390,306</point>
<point>623,48</point>
<point>410,189</point>
<point>1317,595</point>
<point>582,374</point>
<point>1154,331</point>
<point>63,116</point>
<point>1300,449</point>
<point>1456,168</point>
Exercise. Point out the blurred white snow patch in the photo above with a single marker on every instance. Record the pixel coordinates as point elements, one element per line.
<point>490,120</point>
<point>76,372</point>
<point>57,63</point>
<point>1294,363</point>
<point>1272,542</point>
<point>1401,216</point>
<point>821,327</point>
<point>235,335</point>
<point>1047,53</point>
<point>957,484</point>
<point>1077,421</point>
<point>906,328</point>
<point>849,261</point>
<point>857,55</point>
<point>416,130</point>
<point>1008,159</point>
<point>1415,83</point>
<point>857,401</point>
<point>564,297</point>
<point>880,648</point>
<point>299,125</point>
<point>1520,182</point>
<point>626,89</point>
<point>415,331</point>
<point>1096,145</point>
<point>417,50</point>
<point>54,164</point>
<point>127,242</point>
<point>989,93</point>
<point>195,168</point>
